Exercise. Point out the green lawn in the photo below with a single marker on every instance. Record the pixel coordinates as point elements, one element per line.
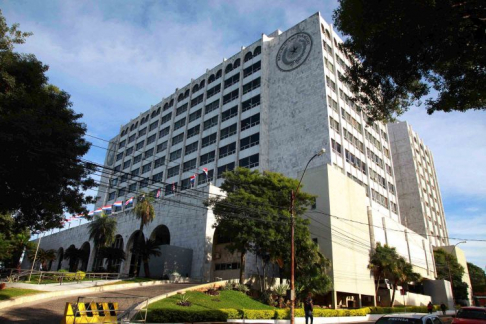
<point>8,293</point>
<point>201,301</point>
<point>133,280</point>
<point>35,280</point>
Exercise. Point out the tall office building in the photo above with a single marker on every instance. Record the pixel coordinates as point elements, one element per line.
<point>418,189</point>
<point>271,106</point>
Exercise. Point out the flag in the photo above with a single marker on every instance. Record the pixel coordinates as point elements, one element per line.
<point>106,208</point>
<point>205,170</point>
<point>118,203</point>
<point>173,187</point>
<point>91,213</point>
<point>99,210</point>
<point>158,193</point>
<point>129,201</point>
<point>193,180</point>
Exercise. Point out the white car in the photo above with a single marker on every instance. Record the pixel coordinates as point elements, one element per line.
<point>409,319</point>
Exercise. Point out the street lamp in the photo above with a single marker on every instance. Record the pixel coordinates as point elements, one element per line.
<point>450,277</point>
<point>292,245</point>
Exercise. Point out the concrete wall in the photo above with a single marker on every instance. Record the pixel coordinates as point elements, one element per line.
<point>172,258</point>
<point>440,291</point>
<point>461,259</point>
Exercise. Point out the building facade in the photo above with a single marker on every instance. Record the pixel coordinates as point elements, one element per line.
<point>271,106</point>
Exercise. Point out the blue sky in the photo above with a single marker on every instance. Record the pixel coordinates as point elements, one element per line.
<point>117,58</point>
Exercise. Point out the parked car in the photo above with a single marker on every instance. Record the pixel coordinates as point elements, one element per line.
<point>409,319</point>
<point>470,315</point>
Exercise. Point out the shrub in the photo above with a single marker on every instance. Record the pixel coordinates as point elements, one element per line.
<point>242,288</point>
<point>80,275</point>
<point>258,314</point>
<point>62,270</point>
<point>184,301</point>
<point>69,276</point>
<point>401,309</point>
<point>227,286</point>
<point>181,316</point>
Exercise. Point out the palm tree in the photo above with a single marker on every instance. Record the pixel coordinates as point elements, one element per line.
<point>382,262</point>
<point>102,231</point>
<point>144,211</point>
<point>43,257</point>
<point>74,254</point>
<point>403,274</point>
<point>148,249</point>
<point>112,255</point>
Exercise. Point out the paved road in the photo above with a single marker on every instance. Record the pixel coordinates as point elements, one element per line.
<point>50,311</point>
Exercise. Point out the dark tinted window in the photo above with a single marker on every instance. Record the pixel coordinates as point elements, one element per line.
<point>472,314</point>
<point>396,320</point>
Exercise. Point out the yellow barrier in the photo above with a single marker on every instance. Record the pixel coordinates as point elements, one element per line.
<point>91,313</point>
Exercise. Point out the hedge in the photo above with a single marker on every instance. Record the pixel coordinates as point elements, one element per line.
<point>165,315</point>
<point>401,309</point>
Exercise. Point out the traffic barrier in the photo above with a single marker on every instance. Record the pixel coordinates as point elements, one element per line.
<point>94,312</point>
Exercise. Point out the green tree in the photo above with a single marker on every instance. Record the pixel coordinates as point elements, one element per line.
<point>112,255</point>
<point>477,277</point>
<point>43,257</point>
<point>148,249</point>
<point>43,175</point>
<point>402,274</point>
<point>448,267</point>
<point>102,230</point>
<point>144,211</point>
<point>255,214</point>
<point>404,49</point>
<point>74,255</point>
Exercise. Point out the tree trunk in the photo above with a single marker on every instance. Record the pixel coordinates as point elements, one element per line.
<point>242,267</point>
<point>395,284</point>
<point>146,267</point>
<point>137,248</point>
<point>377,287</point>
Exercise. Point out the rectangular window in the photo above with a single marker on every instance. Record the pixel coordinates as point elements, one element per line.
<point>191,148</point>
<point>230,113</point>
<point>195,115</point>
<point>149,153</point>
<point>119,156</point>
<point>214,90</point>
<point>123,178</point>
<point>121,192</point>
<point>182,109</point>
<point>173,171</point>
<point>143,183</point>
<point>212,106</point>
<point>146,167</point>
<point>126,164</point>
<point>224,168</point>
<point>208,140</point>
<point>166,118</point>
<point>331,84</point>
<point>129,151</point>
<point>332,103</point>
<point>249,141</point>
<point>122,144</point>
<point>162,147</point>
<point>336,147</point>
<point>202,178</point>
<point>228,131</point>
<point>154,125</point>
<point>159,162</point>
<point>180,123</point>
<point>252,69</point>
<point>227,150</point>
<point>137,158</point>
<point>177,139</point>
<point>151,139</point>
<point>211,122</point>
<point>230,96</point>
<point>175,155</point>
<point>207,158</point>
<point>197,100</point>
<point>139,146</point>
<point>117,168</point>
<point>157,177</point>
<point>164,132</point>
<point>132,138</point>
<point>334,124</point>
<point>249,162</point>
<point>189,165</point>
<point>142,132</point>
<point>250,86</point>
<point>250,122</point>
<point>132,187</point>
<point>250,103</point>
<point>234,79</point>
<point>186,184</point>
<point>135,172</point>
<point>170,189</point>
<point>193,131</point>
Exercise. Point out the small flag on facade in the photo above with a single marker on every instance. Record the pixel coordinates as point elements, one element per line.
<point>159,192</point>
<point>129,201</point>
<point>99,210</point>
<point>205,170</point>
<point>193,180</point>
<point>173,187</point>
<point>91,213</point>
<point>118,203</point>
<point>106,208</point>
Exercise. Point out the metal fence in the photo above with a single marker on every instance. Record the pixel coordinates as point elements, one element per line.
<point>16,275</point>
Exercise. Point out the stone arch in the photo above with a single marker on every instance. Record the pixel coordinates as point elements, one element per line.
<point>195,88</point>
<point>86,249</point>
<point>229,68</point>
<point>211,78</point>
<point>258,51</point>
<point>219,74</point>
<point>130,255</point>
<point>248,56</point>
<point>161,234</point>
<point>180,98</point>
<point>237,63</point>
<point>186,94</point>
<point>60,258</point>
<point>171,102</point>
<point>202,84</point>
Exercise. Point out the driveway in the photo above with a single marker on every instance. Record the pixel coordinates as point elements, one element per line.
<point>48,311</point>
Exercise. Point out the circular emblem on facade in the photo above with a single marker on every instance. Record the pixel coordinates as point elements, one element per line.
<point>294,51</point>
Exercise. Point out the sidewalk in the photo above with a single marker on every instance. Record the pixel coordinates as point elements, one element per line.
<point>69,285</point>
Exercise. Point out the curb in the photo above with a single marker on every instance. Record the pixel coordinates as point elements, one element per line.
<point>29,298</point>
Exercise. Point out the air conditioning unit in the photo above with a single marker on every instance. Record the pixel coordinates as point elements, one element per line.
<point>217,255</point>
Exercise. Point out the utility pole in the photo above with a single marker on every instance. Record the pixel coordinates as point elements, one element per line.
<point>35,256</point>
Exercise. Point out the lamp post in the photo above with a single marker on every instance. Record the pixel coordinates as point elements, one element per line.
<point>292,245</point>
<point>450,277</point>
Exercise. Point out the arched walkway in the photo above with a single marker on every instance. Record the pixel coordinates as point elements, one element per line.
<point>161,235</point>
<point>132,245</point>
<point>60,258</point>
<point>84,256</point>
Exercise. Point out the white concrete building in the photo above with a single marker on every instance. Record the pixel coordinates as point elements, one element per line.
<point>270,107</point>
